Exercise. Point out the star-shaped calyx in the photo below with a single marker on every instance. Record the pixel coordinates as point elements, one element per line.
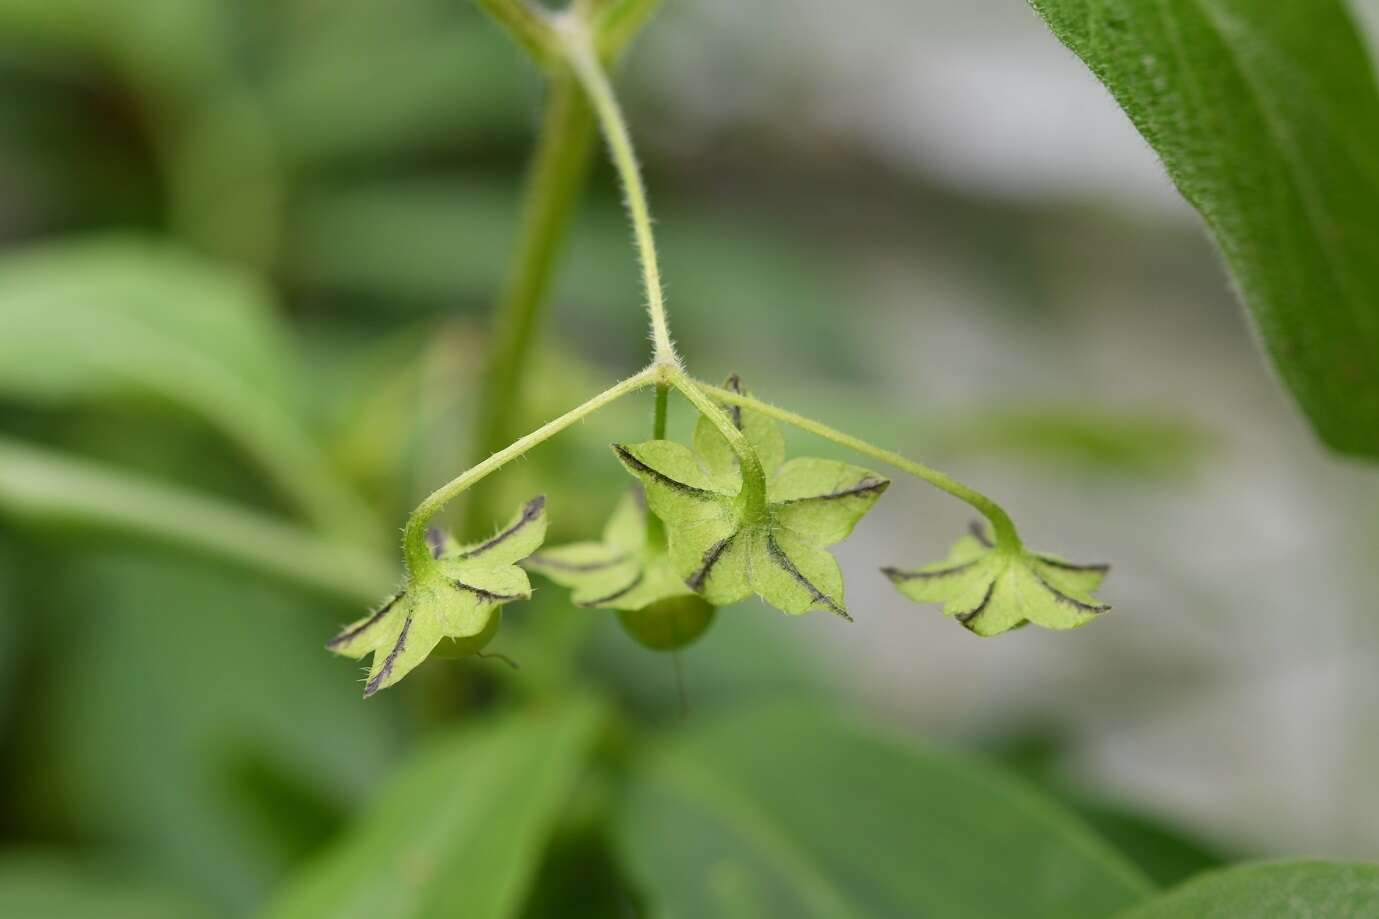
<point>629,571</point>
<point>728,540</point>
<point>991,589</point>
<point>458,596</point>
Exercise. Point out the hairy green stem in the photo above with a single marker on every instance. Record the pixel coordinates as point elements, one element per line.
<point>1006,535</point>
<point>655,529</point>
<point>579,51</point>
<point>753,494</point>
<point>556,179</point>
<point>578,46</point>
<point>414,546</point>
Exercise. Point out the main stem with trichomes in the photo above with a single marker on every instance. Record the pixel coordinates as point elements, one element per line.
<point>576,41</point>
<point>571,37</point>
<point>578,46</point>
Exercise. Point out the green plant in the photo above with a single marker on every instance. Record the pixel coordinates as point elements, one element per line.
<point>554,796</point>
<point>729,518</point>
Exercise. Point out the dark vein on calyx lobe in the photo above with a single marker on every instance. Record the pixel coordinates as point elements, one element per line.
<point>866,486</point>
<point>626,456</point>
<point>372,686</point>
<point>967,617</point>
<point>529,514</point>
<point>979,533</point>
<point>348,636</point>
<point>615,594</point>
<point>487,595</point>
<point>545,561</point>
<point>734,383</point>
<point>1061,597</point>
<point>695,581</point>
<point>1069,566</point>
<point>895,574</point>
<point>780,558</point>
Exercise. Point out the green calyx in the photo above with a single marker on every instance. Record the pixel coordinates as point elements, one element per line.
<point>457,595</point>
<point>725,549</point>
<point>624,571</point>
<point>629,571</point>
<point>992,589</point>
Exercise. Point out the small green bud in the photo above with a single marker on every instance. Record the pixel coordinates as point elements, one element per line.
<point>669,624</point>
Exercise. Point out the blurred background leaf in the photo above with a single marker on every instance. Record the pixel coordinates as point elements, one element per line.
<point>788,810</point>
<point>460,829</point>
<point>98,319</point>
<point>38,886</point>
<point>61,492</point>
<point>175,703</point>
<point>1280,890</point>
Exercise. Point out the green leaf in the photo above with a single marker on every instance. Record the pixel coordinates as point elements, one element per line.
<point>1267,118</point>
<point>46,887</point>
<point>49,488</point>
<point>1279,890</point>
<point>459,598</point>
<point>716,544</point>
<point>790,811</point>
<point>460,830</point>
<point>991,589</point>
<point>171,679</point>
<point>119,316</point>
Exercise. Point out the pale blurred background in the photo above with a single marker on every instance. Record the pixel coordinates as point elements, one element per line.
<point>923,222</point>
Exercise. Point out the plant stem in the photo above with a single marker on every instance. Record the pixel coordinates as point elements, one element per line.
<point>753,494</point>
<point>1006,536</point>
<point>417,553</point>
<point>556,179</point>
<point>655,529</point>
<point>579,51</point>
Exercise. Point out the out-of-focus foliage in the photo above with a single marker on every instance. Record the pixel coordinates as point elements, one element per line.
<point>188,715</point>
<point>461,830</point>
<point>39,886</point>
<point>1280,890</point>
<point>251,247</point>
<point>94,320</point>
<point>767,812</point>
<point>1267,118</point>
